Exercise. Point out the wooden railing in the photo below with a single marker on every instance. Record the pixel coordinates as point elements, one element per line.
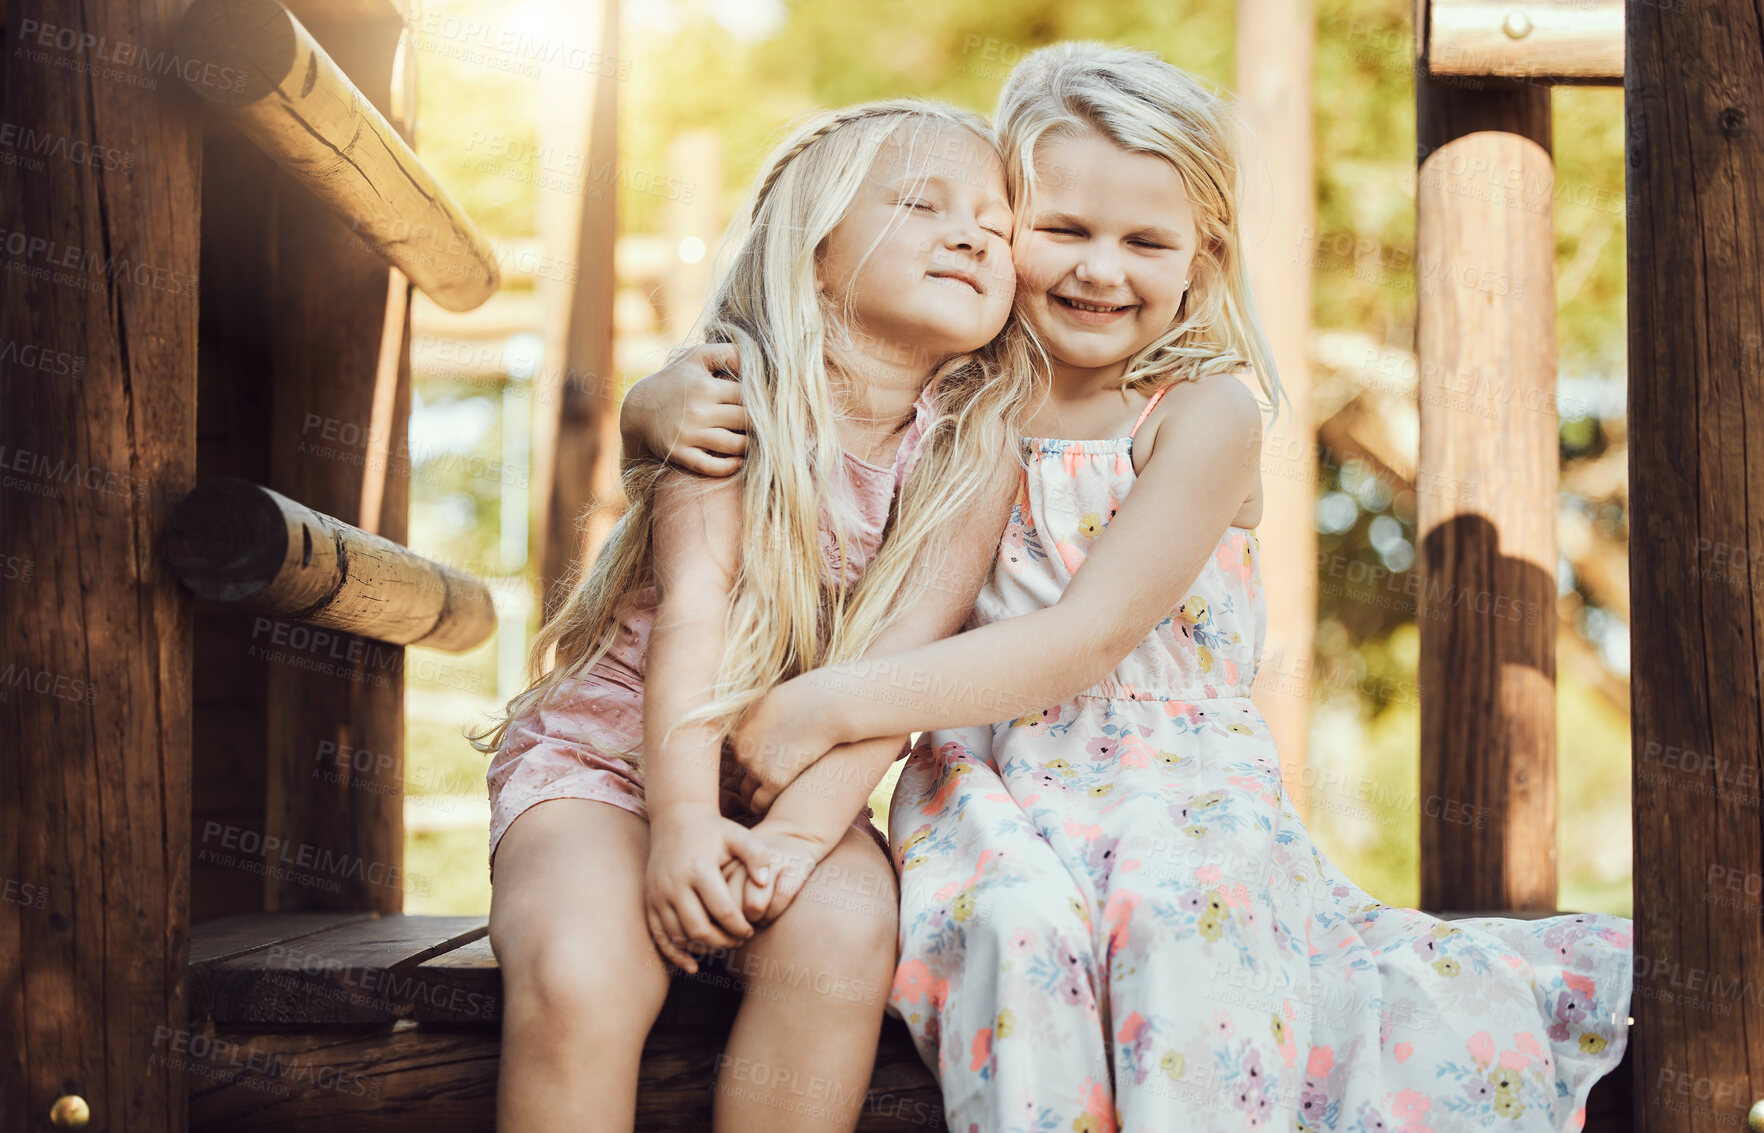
<point>267,75</point>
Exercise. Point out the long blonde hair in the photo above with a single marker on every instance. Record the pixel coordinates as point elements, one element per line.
<point>1145,105</point>
<point>786,615</point>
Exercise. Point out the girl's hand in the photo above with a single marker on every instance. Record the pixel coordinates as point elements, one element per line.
<point>777,739</point>
<point>686,898</point>
<point>689,413</point>
<point>793,855</point>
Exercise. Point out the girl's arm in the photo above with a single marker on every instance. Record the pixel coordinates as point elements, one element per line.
<point>688,414</point>
<point>695,539</point>
<point>1191,487</point>
<point>821,800</point>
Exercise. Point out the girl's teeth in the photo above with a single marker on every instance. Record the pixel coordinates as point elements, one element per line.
<point>1088,306</point>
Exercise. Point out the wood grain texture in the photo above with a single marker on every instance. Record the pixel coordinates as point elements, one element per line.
<point>235,541</point>
<point>268,75</point>
<point>1486,486</point>
<point>356,971</point>
<point>334,730</point>
<point>430,1063</point>
<point>1275,48</point>
<point>102,274</point>
<point>233,405</point>
<point>1694,124</point>
<point>1546,43</point>
<point>435,1069</point>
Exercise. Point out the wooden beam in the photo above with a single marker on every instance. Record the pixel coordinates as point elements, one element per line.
<point>1276,41</point>
<point>576,447</point>
<point>1692,102</point>
<point>1536,41</point>
<point>96,442</point>
<point>334,726</point>
<point>237,542</point>
<point>1486,490</point>
<point>233,406</point>
<point>274,82</point>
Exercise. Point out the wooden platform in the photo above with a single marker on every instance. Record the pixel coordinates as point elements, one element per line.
<point>375,1024</point>
<point>313,1021</point>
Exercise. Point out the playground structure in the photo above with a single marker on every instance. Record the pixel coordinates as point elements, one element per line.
<point>187,505</point>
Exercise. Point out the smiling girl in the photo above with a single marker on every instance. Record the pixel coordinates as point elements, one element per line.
<point>861,297</point>
<point>1111,915</point>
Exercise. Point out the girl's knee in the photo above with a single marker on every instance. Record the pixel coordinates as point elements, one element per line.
<point>563,980</point>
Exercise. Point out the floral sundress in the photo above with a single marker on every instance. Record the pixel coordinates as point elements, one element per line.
<point>1112,917</point>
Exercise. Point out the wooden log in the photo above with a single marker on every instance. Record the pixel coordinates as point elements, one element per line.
<point>240,542</point>
<point>1538,42</point>
<point>1276,42</point>
<point>1692,107</point>
<point>97,440</point>
<point>274,82</point>
<point>1486,490</point>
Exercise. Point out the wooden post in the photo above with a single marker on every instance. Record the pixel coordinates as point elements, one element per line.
<point>1276,40</point>
<point>341,377</point>
<point>1692,103</point>
<point>98,316</point>
<point>233,406</point>
<point>1486,488</point>
<point>576,453</point>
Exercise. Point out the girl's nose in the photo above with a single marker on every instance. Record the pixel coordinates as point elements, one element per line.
<point>966,236</point>
<point>1099,271</point>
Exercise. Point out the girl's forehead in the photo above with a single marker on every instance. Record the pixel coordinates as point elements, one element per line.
<point>945,150</point>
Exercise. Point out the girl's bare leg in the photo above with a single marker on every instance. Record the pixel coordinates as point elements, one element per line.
<point>582,982</point>
<point>804,1045</point>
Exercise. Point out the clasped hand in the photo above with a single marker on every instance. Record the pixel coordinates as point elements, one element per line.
<point>776,740</point>
<point>712,882</point>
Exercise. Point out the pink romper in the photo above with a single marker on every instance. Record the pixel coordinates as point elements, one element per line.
<point>553,753</point>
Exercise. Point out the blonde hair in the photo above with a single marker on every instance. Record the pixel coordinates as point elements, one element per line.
<point>786,615</point>
<point>1145,105</point>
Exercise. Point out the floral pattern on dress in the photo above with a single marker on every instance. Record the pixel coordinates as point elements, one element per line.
<point>1112,917</point>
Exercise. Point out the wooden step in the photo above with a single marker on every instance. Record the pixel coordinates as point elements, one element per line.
<point>384,1024</point>
<point>387,1024</point>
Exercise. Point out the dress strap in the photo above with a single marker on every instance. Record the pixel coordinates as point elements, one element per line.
<point>1146,412</point>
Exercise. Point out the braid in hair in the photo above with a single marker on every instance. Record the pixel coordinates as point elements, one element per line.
<point>842,118</point>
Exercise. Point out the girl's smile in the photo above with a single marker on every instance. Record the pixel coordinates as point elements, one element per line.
<point>1090,312</point>
<point>1104,260</point>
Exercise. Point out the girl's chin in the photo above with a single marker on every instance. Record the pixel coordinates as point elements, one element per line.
<point>1089,355</point>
